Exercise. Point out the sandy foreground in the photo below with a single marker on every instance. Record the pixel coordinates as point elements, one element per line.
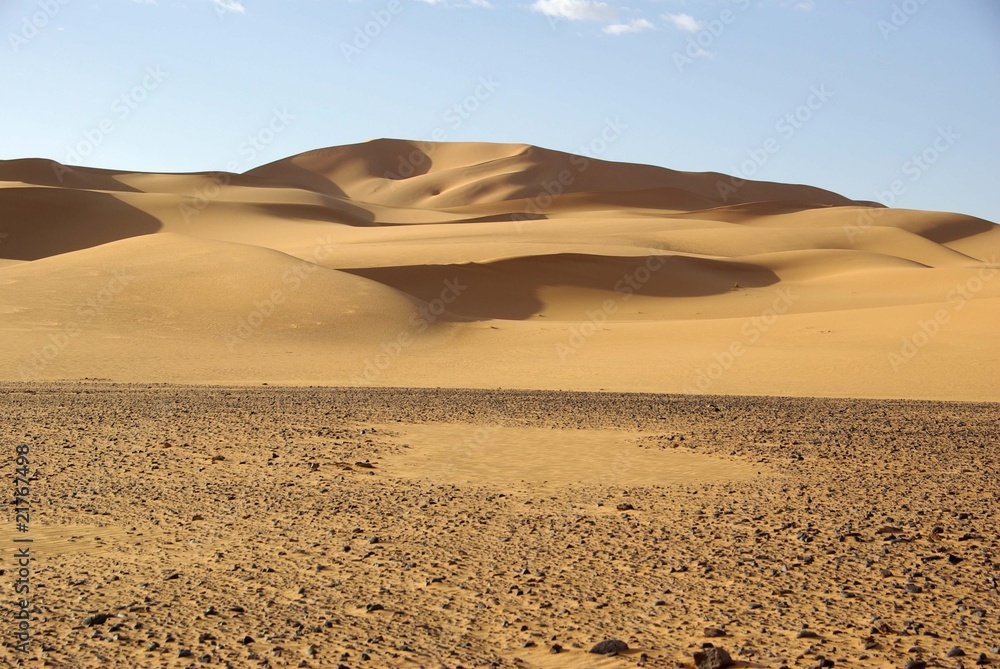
<point>308,527</point>
<point>412,264</point>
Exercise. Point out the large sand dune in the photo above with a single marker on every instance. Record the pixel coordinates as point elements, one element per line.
<point>490,265</point>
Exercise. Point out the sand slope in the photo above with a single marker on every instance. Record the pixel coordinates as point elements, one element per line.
<point>490,265</point>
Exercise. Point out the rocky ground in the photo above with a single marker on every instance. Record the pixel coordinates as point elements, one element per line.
<point>241,527</point>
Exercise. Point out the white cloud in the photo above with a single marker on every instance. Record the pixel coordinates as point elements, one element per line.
<point>486,4</point>
<point>633,26</point>
<point>685,22</point>
<point>576,10</point>
<point>232,6</point>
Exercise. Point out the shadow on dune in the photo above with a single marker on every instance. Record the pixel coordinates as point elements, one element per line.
<point>510,289</point>
<point>43,172</point>
<point>953,227</point>
<point>42,222</point>
<point>342,212</point>
<point>313,171</point>
<point>286,174</point>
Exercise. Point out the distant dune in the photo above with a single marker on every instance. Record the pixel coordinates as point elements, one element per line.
<point>490,265</point>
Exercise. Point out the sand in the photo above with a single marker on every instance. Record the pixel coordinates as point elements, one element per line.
<point>396,263</point>
<point>196,517</point>
<point>328,413</point>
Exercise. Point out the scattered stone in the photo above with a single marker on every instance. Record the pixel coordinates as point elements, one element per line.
<point>96,619</point>
<point>713,658</point>
<point>609,647</point>
<point>888,529</point>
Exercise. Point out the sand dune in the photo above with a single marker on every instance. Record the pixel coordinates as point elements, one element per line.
<point>454,264</point>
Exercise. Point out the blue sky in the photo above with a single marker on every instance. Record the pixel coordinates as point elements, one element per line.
<point>856,96</point>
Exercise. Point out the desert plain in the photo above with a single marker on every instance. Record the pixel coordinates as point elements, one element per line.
<point>404,404</point>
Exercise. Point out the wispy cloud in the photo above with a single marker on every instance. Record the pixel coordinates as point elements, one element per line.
<point>577,10</point>
<point>486,4</point>
<point>229,6</point>
<point>633,26</point>
<point>684,22</point>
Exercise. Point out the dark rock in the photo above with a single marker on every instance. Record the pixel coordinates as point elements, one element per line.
<point>185,652</point>
<point>247,640</point>
<point>556,649</point>
<point>806,634</point>
<point>915,589</point>
<point>982,659</point>
<point>711,632</point>
<point>609,647</point>
<point>916,664</point>
<point>96,619</point>
<point>955,652</point>
<point>374,607</point>
<point>625,506</point>
<point>888,529</point>
<point>713,658</point>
